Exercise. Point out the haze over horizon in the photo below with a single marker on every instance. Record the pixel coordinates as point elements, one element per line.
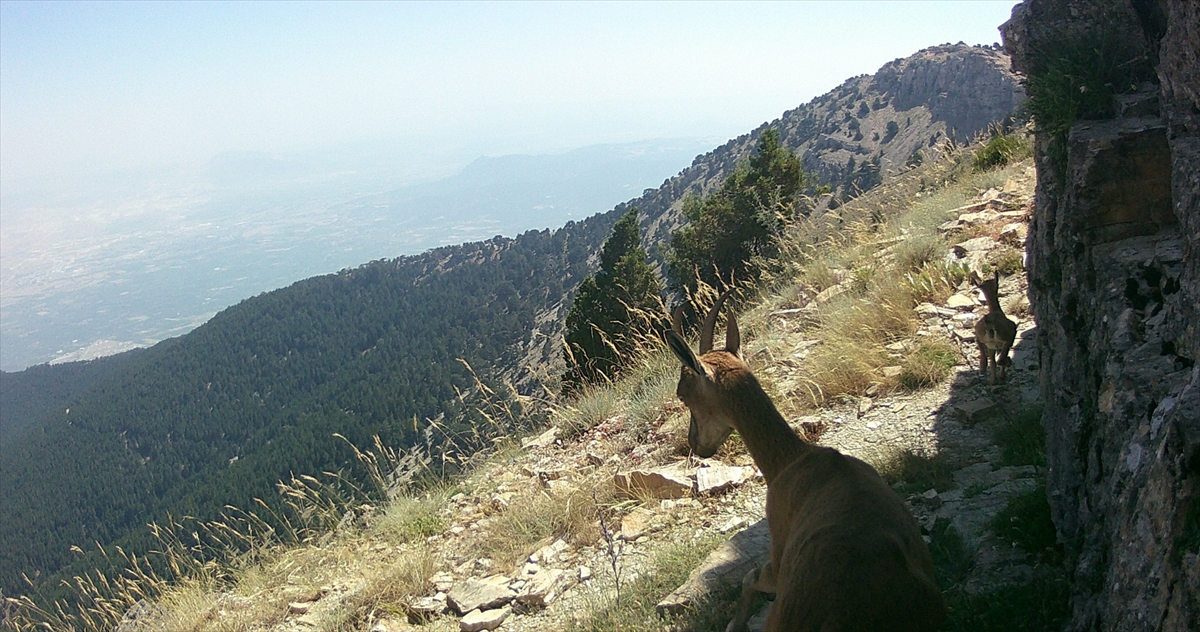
<point>119,118</point>
<point>97,86</point>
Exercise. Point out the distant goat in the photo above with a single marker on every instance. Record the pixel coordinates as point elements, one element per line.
<point>846,555</point>
<point>994,333</point>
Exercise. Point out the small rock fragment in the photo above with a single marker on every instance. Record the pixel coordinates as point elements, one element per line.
<point>550,552</point>
<point>635,524</point>
<point>736,522</point>
<point>541,441</point>
<point>442,582</point>
<point>542,588</point>
<point>477,620</point>
<point>975,409</point>
<point>424,609</point>
<point>959,301</point>
<point>1014,234</point>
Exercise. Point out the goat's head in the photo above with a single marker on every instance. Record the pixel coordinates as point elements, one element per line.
<point>701,380</point>
<point>989,287</point>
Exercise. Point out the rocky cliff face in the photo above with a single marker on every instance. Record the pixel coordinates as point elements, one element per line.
<point>1114,283</point>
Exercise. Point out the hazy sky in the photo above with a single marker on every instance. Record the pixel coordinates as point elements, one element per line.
<point>106,86</point>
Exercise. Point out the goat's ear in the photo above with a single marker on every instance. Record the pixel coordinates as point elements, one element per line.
<point>975,280</point>
<point>733,337</point>
<point>682,351</point>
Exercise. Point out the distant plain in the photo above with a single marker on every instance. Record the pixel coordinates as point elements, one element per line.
<point>90,271</point>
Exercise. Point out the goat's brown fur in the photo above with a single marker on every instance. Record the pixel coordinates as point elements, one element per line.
<point>994,333</point>
<point>846,555</point>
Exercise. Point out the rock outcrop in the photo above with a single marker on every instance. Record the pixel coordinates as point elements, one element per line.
<point>1114,284</point>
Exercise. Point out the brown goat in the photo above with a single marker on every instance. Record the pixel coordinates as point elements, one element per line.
<point>846,555</point>
<point>994,333</point>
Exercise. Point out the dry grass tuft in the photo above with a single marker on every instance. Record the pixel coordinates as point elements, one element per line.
<point>927,364</point>
<point>387,592</point>
<point>408,519</point>
<point>538,518</point>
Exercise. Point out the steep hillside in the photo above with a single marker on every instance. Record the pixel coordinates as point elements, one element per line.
<point>252,397</point>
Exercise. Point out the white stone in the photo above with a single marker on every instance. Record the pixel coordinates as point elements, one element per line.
<point>542,588</point>
<point>541,441</point>
<point>663,482</point>
<point>479,594</point>
<point>957,301</point>
<point>477,620</point>
<point>719,477</point>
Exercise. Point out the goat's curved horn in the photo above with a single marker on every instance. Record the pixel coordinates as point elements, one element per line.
<point>677,319</point>
<point>710,322</point>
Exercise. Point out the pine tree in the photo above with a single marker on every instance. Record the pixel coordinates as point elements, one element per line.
<point>614,309</point>
<point>731,232</point>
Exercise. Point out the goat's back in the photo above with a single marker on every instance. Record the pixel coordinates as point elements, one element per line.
<point>848,555</point>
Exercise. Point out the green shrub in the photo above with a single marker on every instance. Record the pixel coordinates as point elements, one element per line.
<point>1026,523</point>
<point>1022,439</point>
<point>911,473</point>
<point>1008,261</point>
<point>952,559</point>
<point>1040,605</point>
<point>1000,151</point>
<point>914,253</point>
<point>1078,78</point>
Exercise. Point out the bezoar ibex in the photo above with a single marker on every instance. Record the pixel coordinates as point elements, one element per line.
<point>994,333</point>
<point>846,555</point>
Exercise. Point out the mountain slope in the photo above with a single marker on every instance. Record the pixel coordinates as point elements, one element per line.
<point>944,92</point>
<point>217,416</point>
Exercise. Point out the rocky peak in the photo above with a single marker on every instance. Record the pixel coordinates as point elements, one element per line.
<point>968,88</point>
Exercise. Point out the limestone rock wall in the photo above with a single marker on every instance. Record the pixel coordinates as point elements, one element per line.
<point>1114,283</point>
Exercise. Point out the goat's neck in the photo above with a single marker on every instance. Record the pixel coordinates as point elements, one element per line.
<point>772,443</point>
<point>993,303</point>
